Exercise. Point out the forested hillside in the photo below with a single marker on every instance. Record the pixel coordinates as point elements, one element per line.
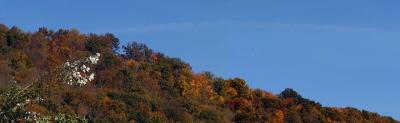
<point>133,83</point>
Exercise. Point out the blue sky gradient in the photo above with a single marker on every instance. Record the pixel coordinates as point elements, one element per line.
<point>339,53</point>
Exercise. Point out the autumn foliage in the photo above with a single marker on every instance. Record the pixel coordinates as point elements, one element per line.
<point>137,84</point>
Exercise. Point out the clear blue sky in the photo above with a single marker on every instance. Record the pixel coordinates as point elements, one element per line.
<point>339,53</point>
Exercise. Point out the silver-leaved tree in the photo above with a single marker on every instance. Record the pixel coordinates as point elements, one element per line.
<point>14,101</point>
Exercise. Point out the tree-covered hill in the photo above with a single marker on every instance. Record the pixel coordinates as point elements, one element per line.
<point>133,83</point>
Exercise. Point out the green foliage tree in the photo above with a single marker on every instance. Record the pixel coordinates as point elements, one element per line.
<point>137,51</point>
<point>290,93</point>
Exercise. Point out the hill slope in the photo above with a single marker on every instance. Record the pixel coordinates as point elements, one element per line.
<point>140,85</point>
